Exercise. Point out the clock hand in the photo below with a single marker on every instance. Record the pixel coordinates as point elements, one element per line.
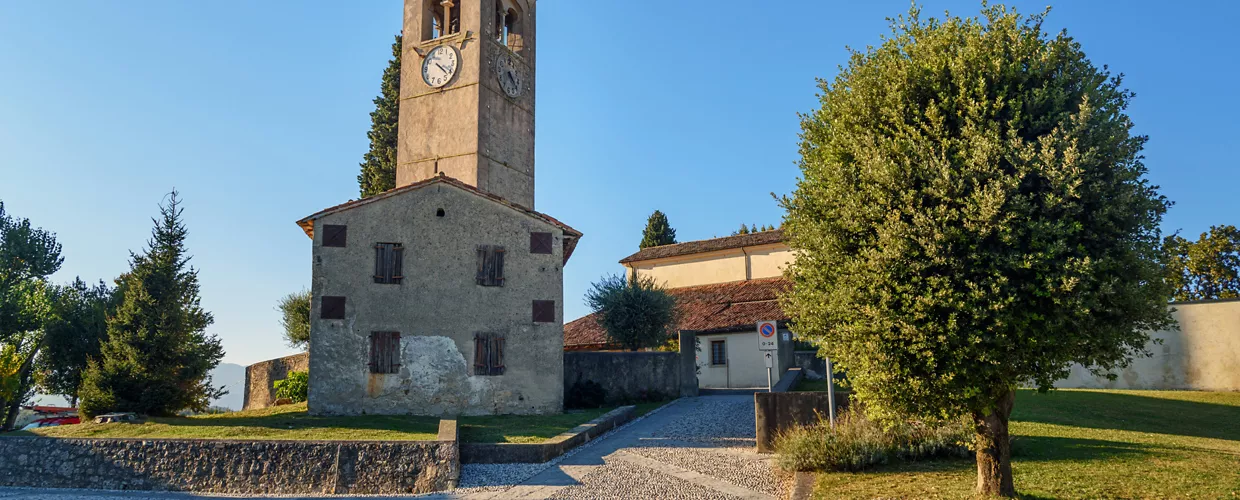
<point>511,79</point>
<point>441,68</point>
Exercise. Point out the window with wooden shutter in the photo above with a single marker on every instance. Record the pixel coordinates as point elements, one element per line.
<point>490,265</point>
<point>331,307</point>
<point>541,243</point>
<point>389,259</point>
<point>544,311</point>
<point>488,354</point>
<point>384,352</point>
<point>335,235</point>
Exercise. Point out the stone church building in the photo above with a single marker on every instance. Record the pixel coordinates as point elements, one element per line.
<point>444,296</point>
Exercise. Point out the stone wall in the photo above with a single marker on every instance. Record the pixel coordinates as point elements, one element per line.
<point>775,412</point>
<point>626,376</point>
<point>1202,355</point>
<point>260,378</point>
<point>225,466</point>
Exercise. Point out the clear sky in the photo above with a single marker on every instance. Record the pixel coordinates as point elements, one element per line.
<point>258,111</point>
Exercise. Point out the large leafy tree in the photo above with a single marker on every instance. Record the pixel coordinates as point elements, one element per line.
<point>657,232</point>
<point>158,357</point>
<point>74,335</point>
<point>28,256</point>
<point>973,215</point>
<point>295,318</point>
<point>1208,268</point>
<point>379,163</point>
<point>636,313</point>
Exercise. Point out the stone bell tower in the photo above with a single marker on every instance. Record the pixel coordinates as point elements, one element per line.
<point>467,95</point>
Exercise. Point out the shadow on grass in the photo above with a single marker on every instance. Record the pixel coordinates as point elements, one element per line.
<point>1046,449</point>
<point>1129,412</point>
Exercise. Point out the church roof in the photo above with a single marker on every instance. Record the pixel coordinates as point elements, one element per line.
<point>717,308</point>
<point>570,235</point>
<point>702,246</point>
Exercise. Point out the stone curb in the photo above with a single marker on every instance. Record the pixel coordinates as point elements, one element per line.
<point>802,486</point>
<point>521,453</point>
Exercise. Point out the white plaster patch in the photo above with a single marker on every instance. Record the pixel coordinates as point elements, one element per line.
<point>426,364</point>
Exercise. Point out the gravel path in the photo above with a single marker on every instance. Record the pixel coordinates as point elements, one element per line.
<point>693,448</point>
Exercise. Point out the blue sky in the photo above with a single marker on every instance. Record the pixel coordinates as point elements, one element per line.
<point>257,112</point>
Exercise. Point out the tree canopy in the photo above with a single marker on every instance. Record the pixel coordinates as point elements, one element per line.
<point>28,256</point>
<point>158,357</point>
<point>295,319</point>
<point>378,167</point>
<point>636,313</point>
<point>77,329</point>
<point>1208,268</point>
<point>657,232</point>
<point>973,215</point>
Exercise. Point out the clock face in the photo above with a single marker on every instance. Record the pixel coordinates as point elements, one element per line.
<point>509,76</point>
<point>440,65</point>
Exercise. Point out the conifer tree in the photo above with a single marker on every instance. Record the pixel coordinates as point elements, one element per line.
<point>657,232</point>
<point>379,163</point>
<point>158,357</point>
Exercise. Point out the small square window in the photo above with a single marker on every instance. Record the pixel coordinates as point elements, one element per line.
<point>541,243</point>
<point>384,352</point>
<point>331,307</point>
<point>544,311</point>
<point>718,352</point>
<point>335,235</point>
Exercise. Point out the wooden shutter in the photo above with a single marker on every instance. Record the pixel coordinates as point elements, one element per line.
<point>398,262</point>
<point>384,352</point>
<point>541,243</point>
<point>481,277</point>
<point>490,265</point>
<point>335,235</point>
<point>331,307</point>
<point>544,311</point>
<point>488,354</point>
<point>496,266</point>
<point>380,263</point>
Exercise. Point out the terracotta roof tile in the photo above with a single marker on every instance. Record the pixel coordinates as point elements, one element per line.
<point>711,245</point>
<point>571,235</point>
<point>721,307</point>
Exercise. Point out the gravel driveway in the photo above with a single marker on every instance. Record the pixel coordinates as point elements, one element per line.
<point>693,448</point>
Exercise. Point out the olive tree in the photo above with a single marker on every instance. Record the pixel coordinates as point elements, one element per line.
<point>636,313</point>
<point>973,216</point>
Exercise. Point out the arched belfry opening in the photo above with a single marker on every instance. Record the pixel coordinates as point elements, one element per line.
<point>509,24</point>
<point>440,18</point>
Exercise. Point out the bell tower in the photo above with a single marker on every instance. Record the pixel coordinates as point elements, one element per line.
<point>467,95</point>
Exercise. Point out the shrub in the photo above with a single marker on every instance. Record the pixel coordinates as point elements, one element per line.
<point>585,394</point>
<point>295,388</point>
<point>859,443</point>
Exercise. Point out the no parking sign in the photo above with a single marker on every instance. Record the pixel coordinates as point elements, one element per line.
<point>766,336</point>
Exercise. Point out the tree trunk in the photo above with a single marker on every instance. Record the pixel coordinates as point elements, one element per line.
<point>23,385</point>
<point>994,448</point>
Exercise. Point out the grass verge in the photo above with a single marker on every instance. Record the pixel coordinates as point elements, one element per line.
<point>1087,444</point>
<point>292,422</point>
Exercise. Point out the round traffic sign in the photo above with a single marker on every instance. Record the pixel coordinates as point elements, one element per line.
<point>767,330</point>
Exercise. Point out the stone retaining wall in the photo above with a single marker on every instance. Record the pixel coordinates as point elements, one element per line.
<point>626,376</point>
<point>228,466</point>
<point>260,378</point>
<point>522,453</point>
<point>775,412</point>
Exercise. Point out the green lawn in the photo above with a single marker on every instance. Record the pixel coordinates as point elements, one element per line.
<point>806,385</point>
<point>292,422</point>
<point>1088,444</point>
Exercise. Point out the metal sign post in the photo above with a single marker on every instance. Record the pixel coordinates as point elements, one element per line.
<point>831,392</point>
<point>767,341</point>
<point>769,363</point>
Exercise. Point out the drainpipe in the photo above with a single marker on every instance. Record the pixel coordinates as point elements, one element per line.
<point>748,268</point>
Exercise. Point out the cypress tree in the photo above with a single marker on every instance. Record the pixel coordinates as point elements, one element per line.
<point>657,232</point>
<point>158,357</point>
<point>379,163</point>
